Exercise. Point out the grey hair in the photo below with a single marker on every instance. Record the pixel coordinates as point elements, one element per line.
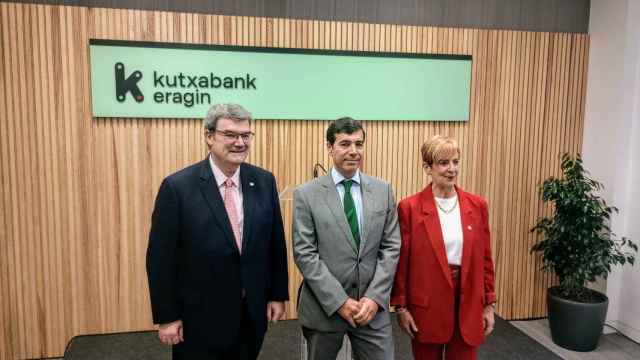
<point>233,112</point>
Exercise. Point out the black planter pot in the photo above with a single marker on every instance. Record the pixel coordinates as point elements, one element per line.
<point>574,325</point>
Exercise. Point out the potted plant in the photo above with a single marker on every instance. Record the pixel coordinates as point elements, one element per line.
<point>578,245</point>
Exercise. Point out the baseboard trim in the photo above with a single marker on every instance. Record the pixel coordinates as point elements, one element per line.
<point>626,329</point>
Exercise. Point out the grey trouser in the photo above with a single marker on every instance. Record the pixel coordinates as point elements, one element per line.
<point>367,343</point>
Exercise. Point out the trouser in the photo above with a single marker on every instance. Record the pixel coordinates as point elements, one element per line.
<point>456,348</point>
<point>367,343</point>
<point>246,347</point>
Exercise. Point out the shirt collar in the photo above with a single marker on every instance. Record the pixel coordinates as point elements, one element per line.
<point>337,177</point>
<point>220,176</point>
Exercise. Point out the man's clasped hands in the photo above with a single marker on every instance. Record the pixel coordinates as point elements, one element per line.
<point>358,313</point>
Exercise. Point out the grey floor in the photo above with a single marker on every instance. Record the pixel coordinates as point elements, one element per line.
<point>612,346</point>
<point>511,340</point>
<point>284,341</point>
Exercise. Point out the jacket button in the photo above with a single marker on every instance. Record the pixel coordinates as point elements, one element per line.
<point>354,286</point>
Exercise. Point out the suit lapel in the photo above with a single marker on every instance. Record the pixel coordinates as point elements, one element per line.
<point>209,189</point>
<point>248,182</point>
<point>434,231</point>
<point>367,206</point>
<point>466,213</point>
<point>332,198</point>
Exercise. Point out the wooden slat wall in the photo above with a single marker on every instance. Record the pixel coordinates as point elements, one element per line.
<point>77,192</point>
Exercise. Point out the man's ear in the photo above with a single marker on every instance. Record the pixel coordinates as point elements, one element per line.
<point>208,138</point>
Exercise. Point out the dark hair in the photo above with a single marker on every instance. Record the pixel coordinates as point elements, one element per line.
<point>344,125</point>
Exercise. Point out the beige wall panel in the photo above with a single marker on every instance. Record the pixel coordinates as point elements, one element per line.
<point>78,192</point>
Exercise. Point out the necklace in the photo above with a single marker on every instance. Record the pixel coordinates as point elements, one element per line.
<point>447,211</point>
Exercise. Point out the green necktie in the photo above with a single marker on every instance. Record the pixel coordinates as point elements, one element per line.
<point>350,211</point>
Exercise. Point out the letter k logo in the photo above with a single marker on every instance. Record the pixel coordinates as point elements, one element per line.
<point>130,84</point>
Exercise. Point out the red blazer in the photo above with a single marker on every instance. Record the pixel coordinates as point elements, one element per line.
<point>422,281</point>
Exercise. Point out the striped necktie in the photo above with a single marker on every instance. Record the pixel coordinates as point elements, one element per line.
<point>350,212</point>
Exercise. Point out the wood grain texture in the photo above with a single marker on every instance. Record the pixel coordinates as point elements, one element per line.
<point>77,192</point>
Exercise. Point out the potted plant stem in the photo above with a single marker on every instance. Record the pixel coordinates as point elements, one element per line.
<point>578,246</point>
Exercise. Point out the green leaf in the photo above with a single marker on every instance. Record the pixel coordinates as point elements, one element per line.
<point>576,242</point>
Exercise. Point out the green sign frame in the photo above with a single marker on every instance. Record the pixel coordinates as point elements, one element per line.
<point>169,80</point>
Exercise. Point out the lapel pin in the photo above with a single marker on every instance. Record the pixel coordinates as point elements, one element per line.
<point>251,184</point>
<point>469,227</point>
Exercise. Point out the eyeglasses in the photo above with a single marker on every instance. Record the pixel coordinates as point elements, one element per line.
<point>230,136</point>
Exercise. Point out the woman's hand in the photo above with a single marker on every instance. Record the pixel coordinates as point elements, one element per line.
<point>406,322</point>
<point>489,319</point>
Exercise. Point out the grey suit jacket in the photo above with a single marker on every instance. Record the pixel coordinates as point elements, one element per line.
<point>332,267</point>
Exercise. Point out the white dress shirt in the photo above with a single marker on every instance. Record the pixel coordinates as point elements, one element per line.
<point>356,192</point>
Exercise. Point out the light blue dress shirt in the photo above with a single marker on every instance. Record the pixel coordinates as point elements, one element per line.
<point>356,192</point>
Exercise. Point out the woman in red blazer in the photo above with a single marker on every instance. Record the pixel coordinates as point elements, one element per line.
<point>444,286</point>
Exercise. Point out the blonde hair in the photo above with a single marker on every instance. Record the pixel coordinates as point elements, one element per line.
<point>437,147</point>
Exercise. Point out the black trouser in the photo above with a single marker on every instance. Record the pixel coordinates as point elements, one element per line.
<point>247,346</point>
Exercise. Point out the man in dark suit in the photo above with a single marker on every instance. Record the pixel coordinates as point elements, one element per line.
<point>216,261</point>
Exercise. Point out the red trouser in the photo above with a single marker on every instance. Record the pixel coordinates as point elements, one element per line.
<point>456,348</point>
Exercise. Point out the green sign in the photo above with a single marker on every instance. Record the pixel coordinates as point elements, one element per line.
<point>159,80</point>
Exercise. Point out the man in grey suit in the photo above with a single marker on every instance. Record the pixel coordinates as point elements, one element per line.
<point>346,244</point>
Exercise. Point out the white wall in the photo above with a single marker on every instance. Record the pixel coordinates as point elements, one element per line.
<point>611,148</point>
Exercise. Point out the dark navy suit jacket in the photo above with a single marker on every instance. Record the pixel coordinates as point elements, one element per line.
<point>195,270</point>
